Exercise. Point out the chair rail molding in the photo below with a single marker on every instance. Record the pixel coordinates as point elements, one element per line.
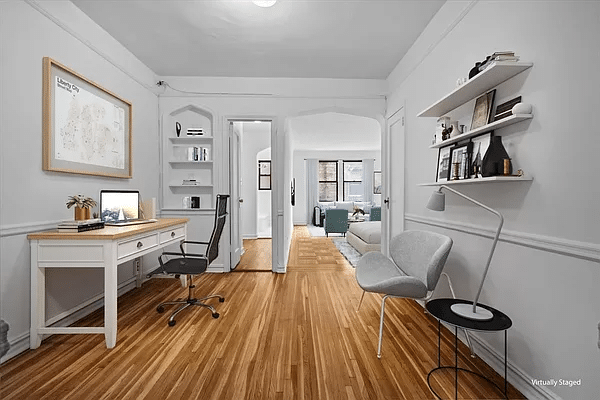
<point>572,248</point>
<point>27,227</point>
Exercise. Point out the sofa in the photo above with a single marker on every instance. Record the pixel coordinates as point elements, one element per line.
<point>365,236</point>
<point>322,206</point>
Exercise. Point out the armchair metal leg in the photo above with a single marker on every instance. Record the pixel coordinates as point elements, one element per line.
<point>381,324</point>
<point>361,299</point>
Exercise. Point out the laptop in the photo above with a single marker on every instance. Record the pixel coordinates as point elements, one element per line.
<point>121,208</point>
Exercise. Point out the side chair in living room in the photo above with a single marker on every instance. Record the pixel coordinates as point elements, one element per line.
<point>191,264</point>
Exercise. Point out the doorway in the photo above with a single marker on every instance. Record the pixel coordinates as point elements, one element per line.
<point>251,191</point>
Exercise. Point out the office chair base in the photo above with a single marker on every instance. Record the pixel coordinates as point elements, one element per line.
<point>187,303</point>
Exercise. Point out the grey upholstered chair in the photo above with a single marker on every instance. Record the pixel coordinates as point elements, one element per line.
<point>418,258</point>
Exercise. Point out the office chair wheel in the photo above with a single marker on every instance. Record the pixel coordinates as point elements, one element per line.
<point>172,322</point>
<point>215,315</point>
<point>160,309</point>
<point>221,299</point>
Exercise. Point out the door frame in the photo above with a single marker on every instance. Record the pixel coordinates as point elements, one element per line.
<point>389,182</point>
<point>276,230</point>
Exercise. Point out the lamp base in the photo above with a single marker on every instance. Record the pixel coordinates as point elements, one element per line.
<point>466,310</point>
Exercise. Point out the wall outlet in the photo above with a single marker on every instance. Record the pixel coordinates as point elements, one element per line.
<point>136,266</point>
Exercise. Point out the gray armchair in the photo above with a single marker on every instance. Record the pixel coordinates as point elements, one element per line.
<point>418,258</point>
<point>336,221</point>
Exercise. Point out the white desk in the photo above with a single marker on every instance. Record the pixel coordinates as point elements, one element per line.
<point>103,248</point>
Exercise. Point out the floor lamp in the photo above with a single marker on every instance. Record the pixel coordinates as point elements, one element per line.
<point>437,202</point>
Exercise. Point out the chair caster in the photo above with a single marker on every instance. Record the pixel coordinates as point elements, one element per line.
<point>215,315</point>
<point>221,299</point>
<point>160,309</point>
<point>172,322</point>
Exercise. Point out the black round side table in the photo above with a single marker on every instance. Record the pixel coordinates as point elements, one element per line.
<point>440,309</point>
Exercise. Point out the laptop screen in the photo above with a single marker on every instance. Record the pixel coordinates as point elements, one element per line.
<point>119,205</point>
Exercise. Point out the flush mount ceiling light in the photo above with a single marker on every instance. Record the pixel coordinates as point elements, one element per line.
<point>264,3</point>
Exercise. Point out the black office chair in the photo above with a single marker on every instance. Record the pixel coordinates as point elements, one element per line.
<point>194,264</point>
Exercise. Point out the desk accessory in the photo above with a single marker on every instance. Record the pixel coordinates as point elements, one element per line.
<point>83,206</point>
<point>437,202</point>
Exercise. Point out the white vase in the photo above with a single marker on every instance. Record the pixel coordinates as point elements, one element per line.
<point>455,129</point>
<point>521,108</point>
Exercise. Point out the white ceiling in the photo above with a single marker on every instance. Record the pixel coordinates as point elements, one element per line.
<point>294,38</point>
<point>335,131</point>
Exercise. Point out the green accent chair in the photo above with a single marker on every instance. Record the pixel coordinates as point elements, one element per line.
<point>336,221</point>
<point>375,214</point>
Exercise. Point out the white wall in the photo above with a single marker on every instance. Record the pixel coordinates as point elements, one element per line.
<point>32,199</point>
<point>255,137</point>
<point>301,214</point>
<point>545,272</point>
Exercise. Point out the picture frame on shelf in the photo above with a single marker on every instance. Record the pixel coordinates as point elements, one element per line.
<point>86,129</point>
<point>479,146</point>
<point>483,109</point>
<point>443,164</point>
<point>459,161</point>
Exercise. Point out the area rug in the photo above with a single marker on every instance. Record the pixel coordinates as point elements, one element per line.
<point>316,231</point>
<point>351,254</point>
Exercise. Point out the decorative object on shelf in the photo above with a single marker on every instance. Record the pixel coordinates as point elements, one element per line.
<point>507,171</point>
<point>474,71</point>
<point>194,201</point>
<point>504,110</point>
<point>443,167</point>
<point>479,145</point>
<point>471,311</point>
<point>459,158</point>
<point>178,128</point>
<point>83,206</point>
<point>483,109</point>
<point>91,143</point>
<point>293,191</point>
<point>441,124</point>
<point>522,108</point>
<point>376,182</point>
<point>493,161</point>
<point>454,129</point>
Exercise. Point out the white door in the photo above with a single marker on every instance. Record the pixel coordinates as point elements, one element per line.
<point>394,178</point>
<point>236,199</point>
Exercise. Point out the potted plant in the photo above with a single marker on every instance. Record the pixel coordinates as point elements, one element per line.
<point>82,205</point>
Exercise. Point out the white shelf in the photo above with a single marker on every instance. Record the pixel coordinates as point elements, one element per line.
<point>190,139</point>
<point>191,186</point>
<point>187,209</point>
<point>190,163</point>
<point>482,82</point>
<point>513,119</point>
<point>490,179</point>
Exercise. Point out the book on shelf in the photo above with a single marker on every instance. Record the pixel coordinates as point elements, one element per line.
<point>189,182</point>
<point>78,222</point>
<point>505,58</point>
<point>195,131</point>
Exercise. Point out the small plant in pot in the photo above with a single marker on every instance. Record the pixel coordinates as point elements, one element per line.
<point>83,206</point>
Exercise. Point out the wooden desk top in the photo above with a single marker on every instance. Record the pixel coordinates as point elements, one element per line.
<point>108,232</point>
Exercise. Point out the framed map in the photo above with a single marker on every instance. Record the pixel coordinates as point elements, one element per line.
<point>86,128</point>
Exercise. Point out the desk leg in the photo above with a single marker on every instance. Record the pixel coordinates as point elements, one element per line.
<point>110,294</point>
<point>38,299</point>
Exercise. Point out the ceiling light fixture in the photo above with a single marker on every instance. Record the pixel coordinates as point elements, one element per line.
<point>264,3</point>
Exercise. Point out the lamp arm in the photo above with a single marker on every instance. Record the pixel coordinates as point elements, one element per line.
<point>489,260</point>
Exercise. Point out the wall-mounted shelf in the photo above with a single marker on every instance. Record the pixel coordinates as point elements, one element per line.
<point>190,163</point>
<point>190,139</point>
<point>187,209</point>
<point>490,179</point>
<point>513,119</point>
<point>482,82</point>
<point>191,186</point>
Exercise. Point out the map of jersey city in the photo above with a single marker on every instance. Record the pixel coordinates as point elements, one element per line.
<point>88,129</point>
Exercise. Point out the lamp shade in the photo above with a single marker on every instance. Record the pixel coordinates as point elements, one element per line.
<point>437,201</point>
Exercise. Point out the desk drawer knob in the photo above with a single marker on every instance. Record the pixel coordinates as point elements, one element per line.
<point>172,234</point>
<point>139,245</point>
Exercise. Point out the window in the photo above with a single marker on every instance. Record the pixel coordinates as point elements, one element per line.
<point>264,175</point>
<point>328,177</point>
<point>353,185</point>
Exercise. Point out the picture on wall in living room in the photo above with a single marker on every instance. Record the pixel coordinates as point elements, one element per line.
<point>376,182</point>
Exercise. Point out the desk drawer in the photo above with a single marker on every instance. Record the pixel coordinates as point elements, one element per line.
<point>171,234</point>
<point>136,245</point>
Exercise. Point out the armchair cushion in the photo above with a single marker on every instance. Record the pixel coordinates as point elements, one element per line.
<point>377,273</point>
<point>345,205</point>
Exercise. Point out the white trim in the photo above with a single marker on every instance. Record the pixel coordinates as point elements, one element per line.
<point>572,248</point>
<point>27,227</point>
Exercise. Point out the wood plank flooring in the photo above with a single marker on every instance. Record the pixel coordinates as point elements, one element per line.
<point>280,336</point>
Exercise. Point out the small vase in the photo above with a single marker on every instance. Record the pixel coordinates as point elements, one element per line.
<point>493,161</point>
<point>82,213</point>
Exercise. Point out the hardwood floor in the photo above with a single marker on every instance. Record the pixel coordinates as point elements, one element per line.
<point>280,336</point>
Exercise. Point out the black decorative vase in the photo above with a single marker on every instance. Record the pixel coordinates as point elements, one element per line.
<point>178,128</point>
<point>493,160</point>
<point>475,70</point>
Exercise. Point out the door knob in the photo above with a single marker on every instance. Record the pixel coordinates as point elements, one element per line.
<point>241,200</point>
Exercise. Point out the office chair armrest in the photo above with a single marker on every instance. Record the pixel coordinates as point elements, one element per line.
<point>190,242</point>
<point>170,253</point>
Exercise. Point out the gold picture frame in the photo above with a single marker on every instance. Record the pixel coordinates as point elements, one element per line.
<point>483,109</point>
<point>86,129</point>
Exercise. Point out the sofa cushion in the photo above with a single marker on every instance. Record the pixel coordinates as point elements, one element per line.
<point>368,231</point>
<point>345,205</point>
